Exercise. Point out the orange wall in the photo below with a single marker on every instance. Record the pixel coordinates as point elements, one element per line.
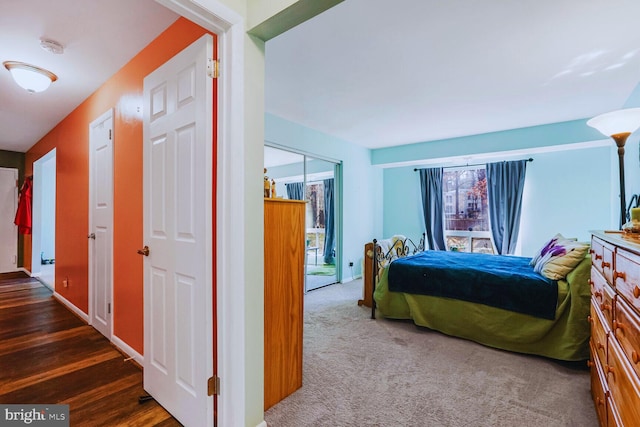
<point>123,93</point>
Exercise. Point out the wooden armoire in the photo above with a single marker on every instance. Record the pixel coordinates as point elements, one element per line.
<point>284,252</point>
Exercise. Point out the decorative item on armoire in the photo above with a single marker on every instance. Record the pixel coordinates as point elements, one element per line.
<point>267,185</point>
<point>631,229</point>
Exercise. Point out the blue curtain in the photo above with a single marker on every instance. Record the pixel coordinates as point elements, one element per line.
<point>295,191</point>
<point>505,183</point>
<point>432,207</point>
<point>329,223</point>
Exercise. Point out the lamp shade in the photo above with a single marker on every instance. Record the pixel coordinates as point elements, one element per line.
<point>29,77</point>
<point>615,122</point>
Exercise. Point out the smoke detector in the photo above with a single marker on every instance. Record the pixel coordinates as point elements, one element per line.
<point>51,46</point>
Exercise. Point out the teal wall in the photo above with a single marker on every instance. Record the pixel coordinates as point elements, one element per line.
<point>402,208</point>
<point>571,186</point>
<point>566,192</point>
<point>362,205</point>
<point>523,139</point>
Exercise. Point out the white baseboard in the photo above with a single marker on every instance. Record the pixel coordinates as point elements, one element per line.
<point>123,346</point>
<point>262,424</point>
<point>71,307</point>
<point>24,270</point>
<point>347,279</point>
<point>126,349</point>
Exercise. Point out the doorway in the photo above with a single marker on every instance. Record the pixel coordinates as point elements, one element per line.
<point>8,230</point>
<point>304,177</point>
<point>43,239</point>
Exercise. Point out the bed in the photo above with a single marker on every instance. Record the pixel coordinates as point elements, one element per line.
<point>496,308</point>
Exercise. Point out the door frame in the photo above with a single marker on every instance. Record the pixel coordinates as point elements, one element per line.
<point>36,226</point>
<point>338,203</point>
<point>101,118</point>
<point>14,243</point>
<point>231,365</point>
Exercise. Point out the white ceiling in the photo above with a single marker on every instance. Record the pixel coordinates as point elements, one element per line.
<point>381,73</point>
<point>373,72</point>
<point>99,36</point>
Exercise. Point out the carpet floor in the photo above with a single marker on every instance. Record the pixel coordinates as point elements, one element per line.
<point>364,372</point>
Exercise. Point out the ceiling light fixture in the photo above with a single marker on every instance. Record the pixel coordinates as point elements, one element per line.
<point>29,77</point>
<point>618,125</point>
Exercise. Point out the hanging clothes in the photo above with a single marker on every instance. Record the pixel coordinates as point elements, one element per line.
<point>23,214</point>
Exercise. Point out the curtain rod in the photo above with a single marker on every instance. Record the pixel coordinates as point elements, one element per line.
<point>530,159</point>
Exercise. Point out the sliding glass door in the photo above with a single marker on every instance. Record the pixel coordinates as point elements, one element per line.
<point>301,177</point>
<point>321,224</point>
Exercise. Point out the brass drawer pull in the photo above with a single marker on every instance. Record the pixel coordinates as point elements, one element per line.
<point>634,356</point>
<point>598,257</point>
<point>619,275</point>
<point>618,326</point>
<point>606,264</point>
<point>598,294</point>
<point>636,291</point>
<point>591,282</point>
<point>605,307</point>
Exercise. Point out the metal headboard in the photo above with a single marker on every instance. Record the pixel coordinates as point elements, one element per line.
<point>399,249</point>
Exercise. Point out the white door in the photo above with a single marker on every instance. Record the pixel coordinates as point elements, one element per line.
<point>178,349</point>
<point>8,230</point>
<point>101,222</point>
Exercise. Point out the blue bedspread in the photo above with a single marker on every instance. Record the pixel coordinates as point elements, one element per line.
<point>507,282</point>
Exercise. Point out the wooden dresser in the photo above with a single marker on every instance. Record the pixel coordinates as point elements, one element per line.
<point>615,329</point>
<point>284,244</point>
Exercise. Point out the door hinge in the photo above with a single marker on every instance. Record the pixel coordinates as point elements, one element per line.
<point>213,68</point>
<point>109,308</point>
<point>109,134</point>
<point>213,386</point>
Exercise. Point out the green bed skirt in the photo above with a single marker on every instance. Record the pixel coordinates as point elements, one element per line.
<point>565,338</point>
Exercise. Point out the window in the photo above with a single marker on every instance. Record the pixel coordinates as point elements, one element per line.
<point>466,210</point>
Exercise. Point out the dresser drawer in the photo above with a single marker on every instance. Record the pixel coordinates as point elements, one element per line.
<point>597,283</point>
<point>602,258</point>
<point>606,306</point>
<point>623,384</point>
<point>599,390</point>
<point>626,328</point>
<point>627,280</point>
<point>599,332</point>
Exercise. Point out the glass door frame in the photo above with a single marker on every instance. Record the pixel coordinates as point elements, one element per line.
<point>338,212</point>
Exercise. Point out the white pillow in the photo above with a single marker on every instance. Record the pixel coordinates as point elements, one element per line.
<point>560,259</point>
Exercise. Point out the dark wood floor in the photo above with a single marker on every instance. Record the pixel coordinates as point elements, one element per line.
<point>49,356</point>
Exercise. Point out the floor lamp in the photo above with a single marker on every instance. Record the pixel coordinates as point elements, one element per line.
<point>618,125</point>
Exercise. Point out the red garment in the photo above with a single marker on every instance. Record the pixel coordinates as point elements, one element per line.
<point>23,215</point>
